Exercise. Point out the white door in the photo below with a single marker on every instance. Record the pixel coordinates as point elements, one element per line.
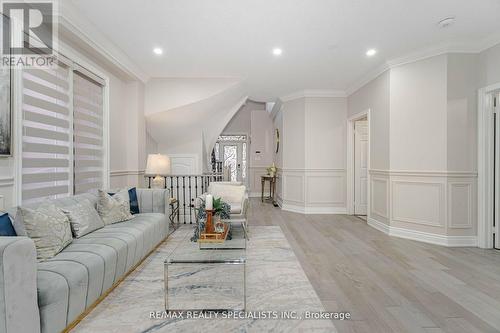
<point>360,167</point>
<point>496,213</point>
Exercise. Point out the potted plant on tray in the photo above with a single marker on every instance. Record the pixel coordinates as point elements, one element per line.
<point>221,211</point>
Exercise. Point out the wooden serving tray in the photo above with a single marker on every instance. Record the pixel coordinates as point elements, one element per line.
<point>214,237</point>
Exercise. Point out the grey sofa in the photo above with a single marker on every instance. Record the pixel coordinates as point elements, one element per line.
<point>48,296</point>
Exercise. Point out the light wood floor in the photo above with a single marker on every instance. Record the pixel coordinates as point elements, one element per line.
<point>390,284</point>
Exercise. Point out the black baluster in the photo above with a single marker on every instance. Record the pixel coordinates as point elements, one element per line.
<point>172,187</point>
<point>184,197</point>
<point>190,200</point>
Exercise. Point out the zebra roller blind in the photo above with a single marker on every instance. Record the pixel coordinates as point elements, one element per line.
<point>46,141</point>
<point>87,132</point>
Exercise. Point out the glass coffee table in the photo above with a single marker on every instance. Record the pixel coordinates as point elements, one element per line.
<point>207,279</point>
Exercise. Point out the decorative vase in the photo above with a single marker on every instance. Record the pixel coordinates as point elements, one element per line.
<point>219,225</point>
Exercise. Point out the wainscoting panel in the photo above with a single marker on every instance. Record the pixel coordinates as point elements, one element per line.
<point>418,202</point>
<point>379,197</point>
<point>436,207</point>
<point>326,188</point>
<point>461,204</point>
<point>255,181</point>
<point>314,191</point>
<point>293,188</point>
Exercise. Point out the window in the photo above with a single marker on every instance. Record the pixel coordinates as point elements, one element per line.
<point>46,132</point>
<point>62,132</point>
<point>87,133</point>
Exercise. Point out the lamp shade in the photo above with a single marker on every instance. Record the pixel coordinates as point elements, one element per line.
<point>158,165</point>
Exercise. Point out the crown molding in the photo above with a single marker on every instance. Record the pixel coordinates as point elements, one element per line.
<point>74,23</point>
<point>447,48</point>
<point>310,93</point>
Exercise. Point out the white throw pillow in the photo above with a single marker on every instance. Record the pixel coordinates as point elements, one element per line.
<point>83,218</point>
<point>49,228</point>
<point>113,209</point>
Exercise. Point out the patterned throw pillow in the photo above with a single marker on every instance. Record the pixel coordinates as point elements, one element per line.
<point>113,209</point>
<point>49,228</point>
<point>83,218</point>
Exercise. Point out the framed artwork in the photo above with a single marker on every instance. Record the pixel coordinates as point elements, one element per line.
<point>5,102</point>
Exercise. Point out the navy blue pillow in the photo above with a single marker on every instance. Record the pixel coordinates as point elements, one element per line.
<point>132,197</point>
<point>134,203</point>
<point>6,228</point>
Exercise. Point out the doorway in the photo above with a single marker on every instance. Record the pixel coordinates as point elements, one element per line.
<point>496,168</point>
<point>488,200</point>
<point>232,151</point>
<point>358,165</point>
<point>361,167</point>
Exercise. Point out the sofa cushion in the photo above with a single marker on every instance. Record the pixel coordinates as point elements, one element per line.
<point>113,209</point>
<point>49,228</point>
<point>74,285</point>
<point>83,218</point>
<point>53,300</point>
<point>108,256</point>
<point>132,242</point>
<point>118,246</point>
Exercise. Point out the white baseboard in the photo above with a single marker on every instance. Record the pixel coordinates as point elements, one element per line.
<point>443,240</point>
<point>313,210</point>
<point>380,226</point>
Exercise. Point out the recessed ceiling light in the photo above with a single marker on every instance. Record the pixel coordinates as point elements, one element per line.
<point>371,52</point>
<point>157,51</point>
<point>444,23</point>
<point>277,51</point>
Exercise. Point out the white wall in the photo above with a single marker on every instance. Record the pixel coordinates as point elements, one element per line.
<point>426,190</point>
<point>489,63</point>
<point>418,101</point>
<point>375,96</point>
<point>170,93</point>
<point>254,121</point>
<point>314,154</point>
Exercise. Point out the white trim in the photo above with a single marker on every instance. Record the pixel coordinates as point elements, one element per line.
<point>72,22</point>
<point>6,181</point>
<point>312,210</point>
<point>473,48</point>
<point>485,172</point>
<point>310,93</point>
<point>350,161</point>
<point>424,173</point>
<point>118,173</point>
<point>449,241</point>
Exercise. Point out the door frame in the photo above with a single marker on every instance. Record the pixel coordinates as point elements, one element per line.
<point>485,187</point>
<point>350,161</point>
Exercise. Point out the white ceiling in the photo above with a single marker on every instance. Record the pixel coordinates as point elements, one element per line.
<point>323,41</point>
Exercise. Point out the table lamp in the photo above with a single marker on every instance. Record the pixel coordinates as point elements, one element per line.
<point>158,165</point>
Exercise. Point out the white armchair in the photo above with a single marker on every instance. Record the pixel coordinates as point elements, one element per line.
<point>235,194</point>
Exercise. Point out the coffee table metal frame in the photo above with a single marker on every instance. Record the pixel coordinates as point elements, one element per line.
<point>240,261</point>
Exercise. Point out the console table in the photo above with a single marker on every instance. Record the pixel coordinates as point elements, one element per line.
<point>272,187</point>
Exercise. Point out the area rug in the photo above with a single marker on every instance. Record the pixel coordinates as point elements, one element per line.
<point>276,285</point>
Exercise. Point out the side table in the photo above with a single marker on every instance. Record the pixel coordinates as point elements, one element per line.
<point>174,213</point>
